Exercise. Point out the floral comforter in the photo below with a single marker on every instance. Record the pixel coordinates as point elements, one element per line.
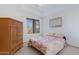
<point>48,45</point>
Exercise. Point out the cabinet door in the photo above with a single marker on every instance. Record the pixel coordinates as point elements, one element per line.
<point>4,38</point>
<point>20,31</point>
<point>13,34</point>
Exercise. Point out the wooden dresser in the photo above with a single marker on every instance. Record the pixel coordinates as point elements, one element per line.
<point>11,36</point>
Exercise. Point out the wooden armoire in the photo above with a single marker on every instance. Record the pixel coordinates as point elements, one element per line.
<point>11,36</point>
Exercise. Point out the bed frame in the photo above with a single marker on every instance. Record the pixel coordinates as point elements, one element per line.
<point>34,45</point>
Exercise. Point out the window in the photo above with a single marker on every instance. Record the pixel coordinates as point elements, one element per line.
<point>33,26</point>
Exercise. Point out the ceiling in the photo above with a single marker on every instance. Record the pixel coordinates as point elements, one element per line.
<point>46,9</point>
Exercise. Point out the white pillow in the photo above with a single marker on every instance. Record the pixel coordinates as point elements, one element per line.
<point>56,35</point>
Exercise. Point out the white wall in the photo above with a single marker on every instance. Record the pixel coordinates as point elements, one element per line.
<point>70,26</point>
<point>17,12</point>
<point>70,17</point>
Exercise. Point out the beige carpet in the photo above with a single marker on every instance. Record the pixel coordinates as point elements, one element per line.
<point>68,50</point>
<point>25,50</point>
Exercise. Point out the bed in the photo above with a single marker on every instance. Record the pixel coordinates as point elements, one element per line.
<point>47,44</point>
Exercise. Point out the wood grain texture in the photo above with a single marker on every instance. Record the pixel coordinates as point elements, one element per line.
<point>11,35</point>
